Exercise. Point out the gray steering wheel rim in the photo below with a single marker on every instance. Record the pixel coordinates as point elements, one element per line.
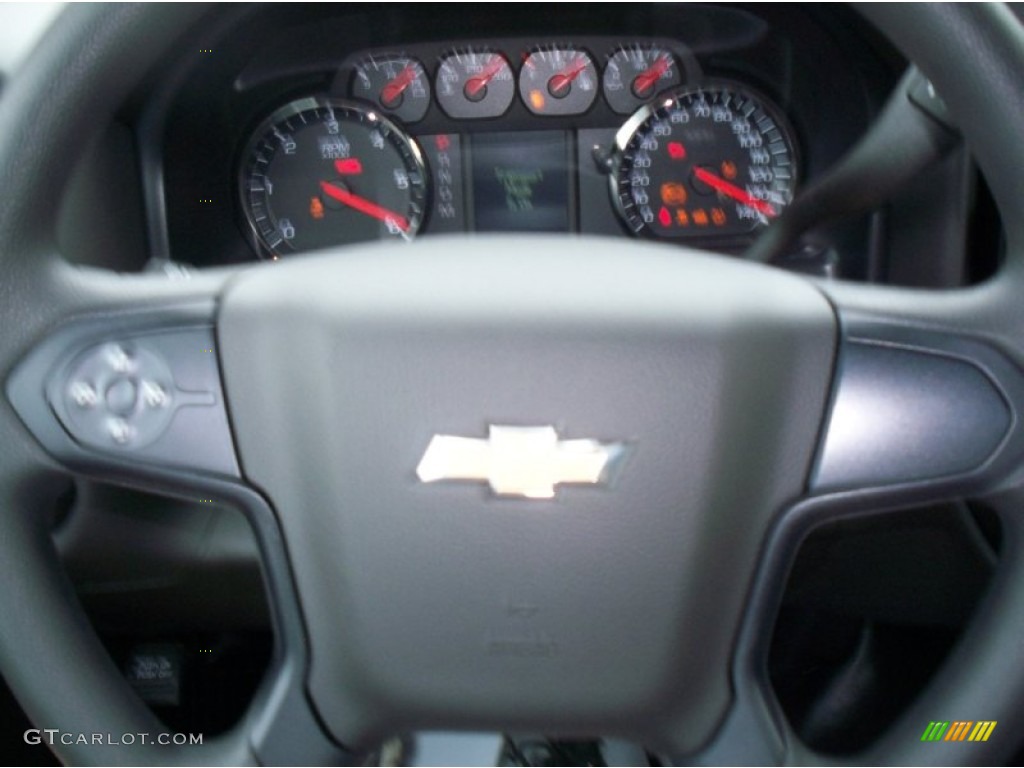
<point>92,59</point>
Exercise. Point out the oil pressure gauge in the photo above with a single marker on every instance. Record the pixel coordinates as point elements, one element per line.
<point>636,73</point>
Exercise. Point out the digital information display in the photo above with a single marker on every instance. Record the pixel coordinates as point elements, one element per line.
<point>520,181</point>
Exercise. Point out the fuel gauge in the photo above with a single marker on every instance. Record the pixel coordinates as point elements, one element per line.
<point>558,81</point>
<point>397,84</point>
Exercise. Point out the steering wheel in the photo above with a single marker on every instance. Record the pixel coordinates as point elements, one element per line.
<point>725,409</point>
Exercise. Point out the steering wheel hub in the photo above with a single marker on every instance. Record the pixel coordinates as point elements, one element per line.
<point>609,608</point>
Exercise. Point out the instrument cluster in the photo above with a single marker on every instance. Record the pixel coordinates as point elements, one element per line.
<point>298,127</point>
<point>600,136</point>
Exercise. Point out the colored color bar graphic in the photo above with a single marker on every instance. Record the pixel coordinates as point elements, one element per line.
<point>982,730</point>
<point>958,730</point>
<point>935,731</point>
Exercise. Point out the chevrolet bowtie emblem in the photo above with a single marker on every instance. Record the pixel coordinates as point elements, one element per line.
<point>519,461</point>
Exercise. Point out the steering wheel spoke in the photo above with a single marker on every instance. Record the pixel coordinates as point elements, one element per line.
<point>920,409</point>
<point>923,408</point>
<point>126,388</point>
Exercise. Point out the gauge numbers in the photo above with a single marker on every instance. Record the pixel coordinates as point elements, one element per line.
<point>395,83</point>
<point>714,161</point>
<point>558,81</point>
<point>634,74</point>
<point>474,84</point>
<point>322,172</point>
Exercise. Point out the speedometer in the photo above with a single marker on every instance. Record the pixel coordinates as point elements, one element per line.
<point>702,162</point>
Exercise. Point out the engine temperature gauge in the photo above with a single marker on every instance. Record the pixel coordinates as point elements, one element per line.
<point>475,84</point>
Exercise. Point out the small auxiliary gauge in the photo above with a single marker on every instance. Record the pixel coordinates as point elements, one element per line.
<point>558,81</point>
<point>635,74</point>
<point>473,84</point>
<point>397,84</point>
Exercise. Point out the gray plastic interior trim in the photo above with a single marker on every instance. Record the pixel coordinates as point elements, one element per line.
<point>915,405</point>
<point>908,414</point>
<point>280,725</point>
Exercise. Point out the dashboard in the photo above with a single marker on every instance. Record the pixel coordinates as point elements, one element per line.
<point>289,128</point>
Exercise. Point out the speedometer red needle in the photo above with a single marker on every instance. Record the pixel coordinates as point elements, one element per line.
<point>363,205</point>
<point>649,77</point>
<point>731,190</point>
<point>390,92</point>
<point>476,84</point>
<point>564,78</point>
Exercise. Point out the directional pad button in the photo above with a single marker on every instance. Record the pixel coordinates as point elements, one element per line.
<point>120,395</point>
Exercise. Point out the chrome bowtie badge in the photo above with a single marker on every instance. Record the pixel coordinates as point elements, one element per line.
<point>519,461</point>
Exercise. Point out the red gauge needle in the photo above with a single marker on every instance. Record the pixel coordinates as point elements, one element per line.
<point>646,79</point>
<point>476,84</point>
<point>731,190</point>
<point>389,93</point>
<point>363,205</point>
<point>564,79</point>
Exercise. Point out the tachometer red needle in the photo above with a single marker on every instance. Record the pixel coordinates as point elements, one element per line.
<point>390,92</point>
<point>363,205</point>
<point>564,78</point>
<point>649,77</point>
<point>731,190</point>
<point>476,84</point>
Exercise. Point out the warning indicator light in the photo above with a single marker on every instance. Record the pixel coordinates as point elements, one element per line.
<point>673,193</point>
<point>350,166</point>
<point>676,150</point>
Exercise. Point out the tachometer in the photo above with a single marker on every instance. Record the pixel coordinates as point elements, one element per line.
<point>322,172</point>
<point>711,161</point>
